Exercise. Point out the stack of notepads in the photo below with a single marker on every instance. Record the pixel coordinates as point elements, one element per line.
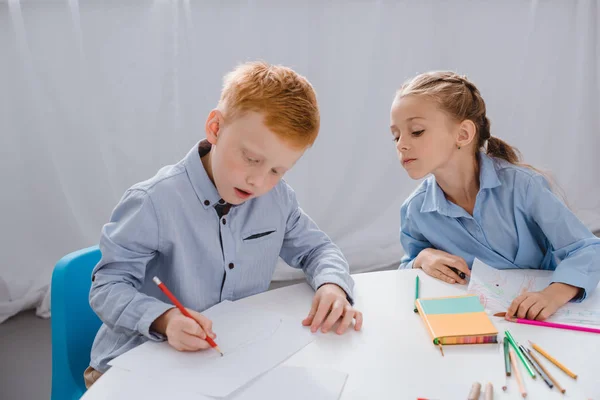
<point>456,320</point>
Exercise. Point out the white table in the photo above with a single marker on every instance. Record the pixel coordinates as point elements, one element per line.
<point>393,357</point>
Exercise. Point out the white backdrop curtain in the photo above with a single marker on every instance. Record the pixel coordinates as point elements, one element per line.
<point>97,95</point>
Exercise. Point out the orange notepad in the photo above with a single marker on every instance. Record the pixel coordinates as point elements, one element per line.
<point>456,320</point>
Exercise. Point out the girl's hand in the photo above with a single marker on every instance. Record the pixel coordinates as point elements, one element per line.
<point>442,265</point>
<point>541,305</point>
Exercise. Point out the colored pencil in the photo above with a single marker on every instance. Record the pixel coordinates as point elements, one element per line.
<point>553,360</point>
<point>475,391</point>
<point>534,358</point>
<point>416,292</point>
<point>513,360</point>
<point>535,366</point>
<point>506,358</point>
<point>185,312</point>
<point>513,343</point>
<point>549,324</point>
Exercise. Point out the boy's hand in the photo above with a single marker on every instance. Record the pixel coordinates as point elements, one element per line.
<point>183,333</point>
<point>329,306</point>
<point>438,264</point>
<point>541,305</point>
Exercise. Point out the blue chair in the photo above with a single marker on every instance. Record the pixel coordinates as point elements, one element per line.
<point>74,324</point>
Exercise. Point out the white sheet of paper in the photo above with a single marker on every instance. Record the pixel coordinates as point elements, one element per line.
<point>294,383</point>
<point>253,341</point>
<point>282,382</point>
<point>497,288</point>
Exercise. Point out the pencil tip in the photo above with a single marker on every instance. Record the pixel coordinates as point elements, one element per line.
<point>500,314</point>
<point>504,388</point>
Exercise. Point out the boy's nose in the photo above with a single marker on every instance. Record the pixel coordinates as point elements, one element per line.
<point>255,180</point>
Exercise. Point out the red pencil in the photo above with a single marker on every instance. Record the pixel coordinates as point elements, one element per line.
<point>170,295</point>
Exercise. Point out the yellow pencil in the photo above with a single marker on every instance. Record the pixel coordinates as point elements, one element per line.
<point>553,360</point>
<point>517,372</point>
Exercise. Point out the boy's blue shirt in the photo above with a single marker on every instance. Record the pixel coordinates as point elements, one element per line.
<point>517,222</point>
<point>168,227</point>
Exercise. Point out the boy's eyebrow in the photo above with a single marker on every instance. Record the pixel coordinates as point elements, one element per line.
<point>411,118</point>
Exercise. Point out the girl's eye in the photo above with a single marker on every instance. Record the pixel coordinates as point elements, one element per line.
<point>396,138</point>
<point>418,133</point>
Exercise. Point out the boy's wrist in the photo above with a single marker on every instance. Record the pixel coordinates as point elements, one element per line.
<point>160,324</point>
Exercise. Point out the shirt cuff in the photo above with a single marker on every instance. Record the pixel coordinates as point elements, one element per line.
<point>574,278</point>
<point>407,265</point>
<point>336,280</point>
<point>154,310</point>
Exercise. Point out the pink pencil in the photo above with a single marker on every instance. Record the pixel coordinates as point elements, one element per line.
<point>550,324</point>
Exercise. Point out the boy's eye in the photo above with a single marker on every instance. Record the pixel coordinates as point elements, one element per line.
<point>418,133</point>
<point>251,160</point>
<point>396,138</point>
<point>274,172</point>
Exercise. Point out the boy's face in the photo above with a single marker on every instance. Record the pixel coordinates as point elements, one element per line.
<point>247,159</point>
<point>425,136</point>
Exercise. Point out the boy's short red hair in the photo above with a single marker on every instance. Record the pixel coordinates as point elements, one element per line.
<point>286,99</point>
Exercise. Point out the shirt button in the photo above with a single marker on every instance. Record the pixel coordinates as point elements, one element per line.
<point>231,265</point>
<point>224,221</point>
<point>206,202</point>
<point>221,201</point>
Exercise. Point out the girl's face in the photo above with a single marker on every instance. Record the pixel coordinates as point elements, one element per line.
<point>425,136</point>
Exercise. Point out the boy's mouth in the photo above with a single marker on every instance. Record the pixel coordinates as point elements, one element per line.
<point>408,161</point>
<point>242,194</point>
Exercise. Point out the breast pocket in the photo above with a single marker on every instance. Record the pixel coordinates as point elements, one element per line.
<point>257,256</point>
<point>259,235</point>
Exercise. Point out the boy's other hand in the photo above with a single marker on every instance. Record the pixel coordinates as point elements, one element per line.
<point>437,263</point>
<point>183,333</point>
<point>329,306</point>
<point>541,305</point>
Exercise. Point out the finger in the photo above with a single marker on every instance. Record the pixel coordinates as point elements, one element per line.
<point>193,343</point>
<point>458,264</point>
<point>191,327</point>
<point>346,321</point>
<point>335,313</point>
<point>311,314</point>
<point>322,310</point>
<point>440,275</point>
<point>358,317</point>
<point>462,265</point>
<point>514,306</point>
<point>452,273</point>
<point>525,306</point>
<point>205,323</point>
<point>546,313</point>
<point>534,310</point>
<point>181,343</point>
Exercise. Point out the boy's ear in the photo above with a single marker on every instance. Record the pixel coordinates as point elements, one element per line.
<point>467,132</point>
<point>214,124</point>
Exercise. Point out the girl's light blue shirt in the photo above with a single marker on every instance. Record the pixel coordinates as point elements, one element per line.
<point>517,222</point>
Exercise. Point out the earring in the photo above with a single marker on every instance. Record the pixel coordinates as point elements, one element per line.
<point>458,147</point>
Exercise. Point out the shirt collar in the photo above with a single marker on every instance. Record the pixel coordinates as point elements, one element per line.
<point>205,190</point>
<point>435,200</point>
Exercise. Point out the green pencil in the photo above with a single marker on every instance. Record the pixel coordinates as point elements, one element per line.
<point>416,293</point>
<point>513,343</point>
<point>506,359</point>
